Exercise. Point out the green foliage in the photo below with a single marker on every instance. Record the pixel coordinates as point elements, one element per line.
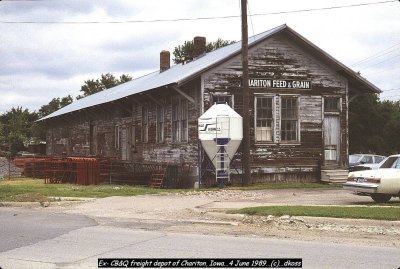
<point>30,190</point>
<point>374,125</point>
<point>219,43</point>
<point>354,212</point>
<point>184,53</point>
<point>54,105</point>
<point>106,81</point>
<point>16,128</point>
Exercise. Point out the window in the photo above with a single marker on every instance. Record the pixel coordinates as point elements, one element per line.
<point>179,120</point>
<point>289,119</point>
<point>160,124</point>
<point>378,159</point>
<point>367,159</point>
<point>331,104</point>
<point>330,153</point>
<point>92,138</point>
<point>184,121</point>
<point>223,99</point>
<point>391,162</point>
<point>175,120</point>
<point>145,125</point>
<point>117,136</point>
<point>264,119</point>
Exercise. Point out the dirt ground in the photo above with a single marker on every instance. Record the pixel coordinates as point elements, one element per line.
<point>205,213</point>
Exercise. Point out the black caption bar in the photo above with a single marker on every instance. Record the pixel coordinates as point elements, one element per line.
<point>199,263</point>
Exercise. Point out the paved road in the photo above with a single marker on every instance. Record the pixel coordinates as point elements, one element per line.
<point>22,226</point>
<point>51,240</point>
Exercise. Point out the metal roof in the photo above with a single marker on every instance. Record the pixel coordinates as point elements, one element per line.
<point>178,74</point>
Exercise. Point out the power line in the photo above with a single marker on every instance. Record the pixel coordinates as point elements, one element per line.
<point>378,54</point>
<point>325,8</point>
<point>251,19</point>
<point>197,18</point>
<point>393,94</point>
<point>378,63</point>
<point>391,90</point>
<point>390,97</point>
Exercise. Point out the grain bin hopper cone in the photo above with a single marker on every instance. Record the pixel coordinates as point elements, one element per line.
<point>220,133</point>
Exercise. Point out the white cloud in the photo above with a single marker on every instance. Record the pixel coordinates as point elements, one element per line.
<point>43,61</point>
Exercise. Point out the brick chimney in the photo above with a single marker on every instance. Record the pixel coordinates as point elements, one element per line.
<point>164,60</point>
<point>199,46</point>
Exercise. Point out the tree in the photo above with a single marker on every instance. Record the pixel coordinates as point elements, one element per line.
<point>54,105</point>
<point>106,81</point>
<point>374,125</point>
<point>183,53</point>
<point>365,125</point>
<point>16,128</point>
<point>219,43</point>
<point>389,132</point>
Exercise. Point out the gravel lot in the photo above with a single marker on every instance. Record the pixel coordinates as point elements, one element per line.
<point>204,212</point>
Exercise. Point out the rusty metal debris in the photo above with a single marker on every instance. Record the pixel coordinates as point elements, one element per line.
<point>78,170</point>
<point>92,171</point>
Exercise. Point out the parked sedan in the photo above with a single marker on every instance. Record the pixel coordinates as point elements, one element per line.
<point>381,184</point>
<point>370,166</point>
<point>362,161</point>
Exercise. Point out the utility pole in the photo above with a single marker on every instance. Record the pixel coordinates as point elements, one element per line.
<point>245,85</point>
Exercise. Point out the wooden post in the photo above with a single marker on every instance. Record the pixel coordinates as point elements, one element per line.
<point>245,84</point>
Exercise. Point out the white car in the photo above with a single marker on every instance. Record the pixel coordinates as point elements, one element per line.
<point>371,166</point>
<point>359,162</point>
<point>381,184</point>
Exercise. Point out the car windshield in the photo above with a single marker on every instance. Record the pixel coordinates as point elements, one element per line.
<point>391,162</point>
<point>354,158</point>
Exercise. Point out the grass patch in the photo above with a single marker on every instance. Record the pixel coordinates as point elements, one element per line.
<point>351,212</point>
<point>34,190</point>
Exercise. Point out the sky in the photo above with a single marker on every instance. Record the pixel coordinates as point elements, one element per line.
<point>48,48</point>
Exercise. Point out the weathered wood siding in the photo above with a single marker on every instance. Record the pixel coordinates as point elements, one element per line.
<point>116,129</point>
<point>279,58</point>
<point>94,131</point>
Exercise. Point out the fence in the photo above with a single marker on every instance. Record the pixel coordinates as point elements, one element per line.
<point>87,171</point>
<point>77,170</point>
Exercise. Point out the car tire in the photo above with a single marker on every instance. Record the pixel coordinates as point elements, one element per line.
<point>381,198</point>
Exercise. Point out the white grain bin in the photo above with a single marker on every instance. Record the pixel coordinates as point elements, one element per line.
<point>220,133</point>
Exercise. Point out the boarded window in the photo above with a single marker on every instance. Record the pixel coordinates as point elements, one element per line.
<point>160,124</point>
<point>223,99</point>
<point>117,136</point>
<point>331,124</point>
<point>145,125</point>
<point>264,119</point>
<point>331,104</point>
<point>92,139</point>
<point>183,121</point>
<point>179,120</point>
<point>331,137</point>
<point>175,120</point>
<point>289,120</point>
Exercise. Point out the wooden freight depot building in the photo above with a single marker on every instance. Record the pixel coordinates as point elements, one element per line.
<point>299,100</point>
